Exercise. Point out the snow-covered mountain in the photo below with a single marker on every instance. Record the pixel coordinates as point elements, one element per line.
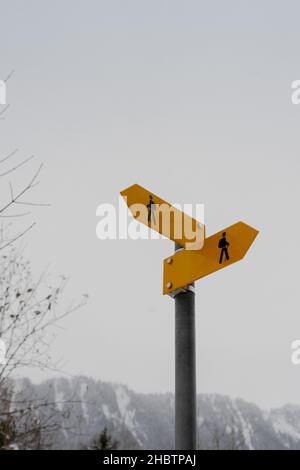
<point>146,421</point>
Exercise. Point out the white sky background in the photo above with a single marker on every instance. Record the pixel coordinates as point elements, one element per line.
<point>191,99</point>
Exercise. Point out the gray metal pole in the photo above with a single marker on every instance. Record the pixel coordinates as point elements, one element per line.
<point>185,370</point>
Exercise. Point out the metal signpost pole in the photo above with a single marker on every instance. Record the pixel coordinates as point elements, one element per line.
<point>185,370</point>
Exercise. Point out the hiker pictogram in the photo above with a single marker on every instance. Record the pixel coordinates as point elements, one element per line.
<point>223,245</point>
<point>151,210</point>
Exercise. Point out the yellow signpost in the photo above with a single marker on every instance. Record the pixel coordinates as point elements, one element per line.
<point>194,258</point>
<point>220,250</point>
<point>164,218</point>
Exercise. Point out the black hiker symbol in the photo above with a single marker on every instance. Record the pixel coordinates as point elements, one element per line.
<point>151,210</point>
<point>223,245</point>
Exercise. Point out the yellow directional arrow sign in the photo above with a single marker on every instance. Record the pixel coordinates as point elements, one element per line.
<point>220,250</point>
<point>164,218</point>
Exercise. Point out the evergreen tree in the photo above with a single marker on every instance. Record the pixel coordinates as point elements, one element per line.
<point>104,441</point>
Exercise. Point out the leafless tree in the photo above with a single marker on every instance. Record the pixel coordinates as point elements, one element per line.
<point>30,423</point>
<point>15,198</point>
<point>15,205</point>
<point>30,311</point>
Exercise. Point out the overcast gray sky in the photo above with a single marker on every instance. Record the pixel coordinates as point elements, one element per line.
<point>192,100</point>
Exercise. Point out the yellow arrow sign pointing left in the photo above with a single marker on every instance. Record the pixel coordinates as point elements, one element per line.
<point>164,218</point>
<point>220,250</point>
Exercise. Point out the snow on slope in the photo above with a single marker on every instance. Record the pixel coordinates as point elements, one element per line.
<point>147,421</point>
